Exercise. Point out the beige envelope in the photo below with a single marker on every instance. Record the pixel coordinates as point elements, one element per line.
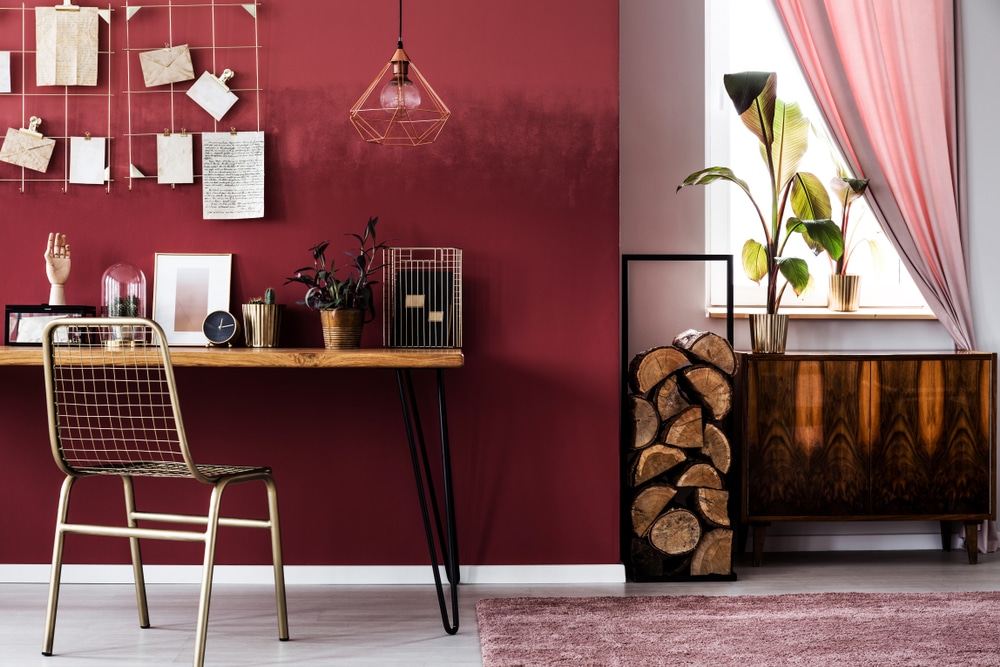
<point>168,65</point>
<point>25,150</point>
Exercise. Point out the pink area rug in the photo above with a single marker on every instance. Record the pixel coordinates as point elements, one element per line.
<point>815,630</point>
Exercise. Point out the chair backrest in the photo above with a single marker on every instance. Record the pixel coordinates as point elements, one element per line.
<point>112,399</point>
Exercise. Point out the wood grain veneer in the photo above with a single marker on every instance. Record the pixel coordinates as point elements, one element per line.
<point>868,437</point>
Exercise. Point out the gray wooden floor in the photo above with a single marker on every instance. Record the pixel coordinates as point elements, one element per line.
<point>393,626</point>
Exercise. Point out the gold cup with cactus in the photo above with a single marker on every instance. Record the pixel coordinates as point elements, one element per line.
<point>262,321</point>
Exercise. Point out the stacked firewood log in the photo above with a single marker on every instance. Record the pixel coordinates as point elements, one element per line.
<point>676,457</point>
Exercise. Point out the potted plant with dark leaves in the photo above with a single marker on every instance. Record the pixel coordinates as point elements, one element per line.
<point>345,302</point>
<point>783,133</point>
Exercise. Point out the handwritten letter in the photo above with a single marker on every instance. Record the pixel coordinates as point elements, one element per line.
<point>66,46</point>
<point>232,175</point>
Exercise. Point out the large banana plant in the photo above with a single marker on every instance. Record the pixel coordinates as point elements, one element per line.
<point>783,133</point>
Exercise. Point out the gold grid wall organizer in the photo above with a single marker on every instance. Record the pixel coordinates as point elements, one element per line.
<point>170,21</point>
<point>66,111</point>
<point>422,297</point>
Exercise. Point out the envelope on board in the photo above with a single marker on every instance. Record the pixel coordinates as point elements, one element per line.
<point>168,65</point>
<point>31,151</point>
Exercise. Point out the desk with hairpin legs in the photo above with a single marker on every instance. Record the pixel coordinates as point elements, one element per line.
<point>402,361</point>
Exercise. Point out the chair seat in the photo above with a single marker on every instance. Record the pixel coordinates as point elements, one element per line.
<point>168,469</point>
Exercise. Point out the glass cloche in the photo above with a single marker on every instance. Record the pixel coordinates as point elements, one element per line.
<point>123,291</point>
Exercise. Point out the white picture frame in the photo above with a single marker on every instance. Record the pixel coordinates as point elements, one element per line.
<point>186,288</point>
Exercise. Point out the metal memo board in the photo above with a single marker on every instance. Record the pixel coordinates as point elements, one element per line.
<point>628,259</point>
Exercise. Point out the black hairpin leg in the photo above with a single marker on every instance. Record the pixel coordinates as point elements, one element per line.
<point>446,539</point>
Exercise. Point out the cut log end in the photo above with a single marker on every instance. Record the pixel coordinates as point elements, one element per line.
<point>714,554</point>
<point>708,347</point>
<point>654,461</point>
<point>651,367</point>
<point>675,532</point>
<point>645,423</point>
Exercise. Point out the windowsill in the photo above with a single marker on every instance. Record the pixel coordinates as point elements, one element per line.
<point>818,313</point>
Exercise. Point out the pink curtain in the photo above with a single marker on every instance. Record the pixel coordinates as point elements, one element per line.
<point>887,77</point>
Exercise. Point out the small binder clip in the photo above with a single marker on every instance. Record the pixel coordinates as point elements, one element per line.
<point>67,6</point>
<point>166,131</point>
<point>86,136</point>
<point>226,75</point>
<point>232,131</point>
<point>32,130</point>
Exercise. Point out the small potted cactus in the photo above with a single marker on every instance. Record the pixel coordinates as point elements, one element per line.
<point>262,320</point>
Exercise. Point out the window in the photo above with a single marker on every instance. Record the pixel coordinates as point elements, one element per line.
<point>734,43</point>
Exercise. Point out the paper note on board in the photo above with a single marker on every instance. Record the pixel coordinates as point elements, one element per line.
<point>174,158</point>
<point>86,160</point>
<point>232,175</point>
<point>66,46</point>
<point>212,94</point>
<point>4,71</point>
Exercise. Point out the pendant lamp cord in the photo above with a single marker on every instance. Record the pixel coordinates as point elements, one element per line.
<point>400,24</point>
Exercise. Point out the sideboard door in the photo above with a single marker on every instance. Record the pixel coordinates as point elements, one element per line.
<point>807,439</point>
<point>934,424</point>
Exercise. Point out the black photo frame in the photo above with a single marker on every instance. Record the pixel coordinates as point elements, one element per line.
<point>23,325</point>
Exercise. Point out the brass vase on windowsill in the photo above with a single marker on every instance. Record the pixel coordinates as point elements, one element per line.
<point>845,292</point>
<point>768,333</point>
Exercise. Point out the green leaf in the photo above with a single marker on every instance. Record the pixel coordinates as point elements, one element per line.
<point>791,140</point>
<point>795,271</point>
<point>754,95</point>
<point>810,200</point>
<point>820,235</point>
<point>754,260</point>
<point>713,174</point>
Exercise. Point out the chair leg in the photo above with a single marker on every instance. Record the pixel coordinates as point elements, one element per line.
<point>55,574</point>
<point>208,566</point>
<point>277,558</point>
<point>137,573</point>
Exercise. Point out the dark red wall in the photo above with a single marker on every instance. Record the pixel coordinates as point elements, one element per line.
<point>524,179</point>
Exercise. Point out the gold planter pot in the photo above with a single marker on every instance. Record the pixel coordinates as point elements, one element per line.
<point>342,328</point>
<point>845,293</point>
<point>768,333</point>
<point>262,324</point>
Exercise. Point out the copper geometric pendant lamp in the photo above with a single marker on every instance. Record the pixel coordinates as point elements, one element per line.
<point>399,108</point>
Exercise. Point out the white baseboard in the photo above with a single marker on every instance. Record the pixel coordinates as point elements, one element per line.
<point>320,574</point>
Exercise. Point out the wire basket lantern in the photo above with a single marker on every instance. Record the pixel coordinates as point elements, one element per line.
<point>422,297</point>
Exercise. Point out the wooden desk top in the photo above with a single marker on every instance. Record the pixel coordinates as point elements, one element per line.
<point>278,357</point>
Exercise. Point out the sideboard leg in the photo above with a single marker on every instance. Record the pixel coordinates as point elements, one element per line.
<point>972,541</point>
<point>758,543</point>
<point>945,535</point>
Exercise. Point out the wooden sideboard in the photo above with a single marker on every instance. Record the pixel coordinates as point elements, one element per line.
<point>868,436</point>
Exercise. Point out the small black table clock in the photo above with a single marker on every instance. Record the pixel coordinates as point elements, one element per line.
<point>220,328</point>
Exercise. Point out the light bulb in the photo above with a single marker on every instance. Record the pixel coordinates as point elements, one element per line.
<point>396,96</point>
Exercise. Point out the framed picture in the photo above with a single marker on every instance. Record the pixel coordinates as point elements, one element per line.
<point>186,288</point>
<point>25,324</point>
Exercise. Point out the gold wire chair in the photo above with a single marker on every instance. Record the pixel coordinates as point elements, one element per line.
<point>113,410</point>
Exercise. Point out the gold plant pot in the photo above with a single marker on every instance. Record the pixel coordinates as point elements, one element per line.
<point>262,324</point>
<point>768,333</point>
<point>342,328</point>
<point>845,292</point>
